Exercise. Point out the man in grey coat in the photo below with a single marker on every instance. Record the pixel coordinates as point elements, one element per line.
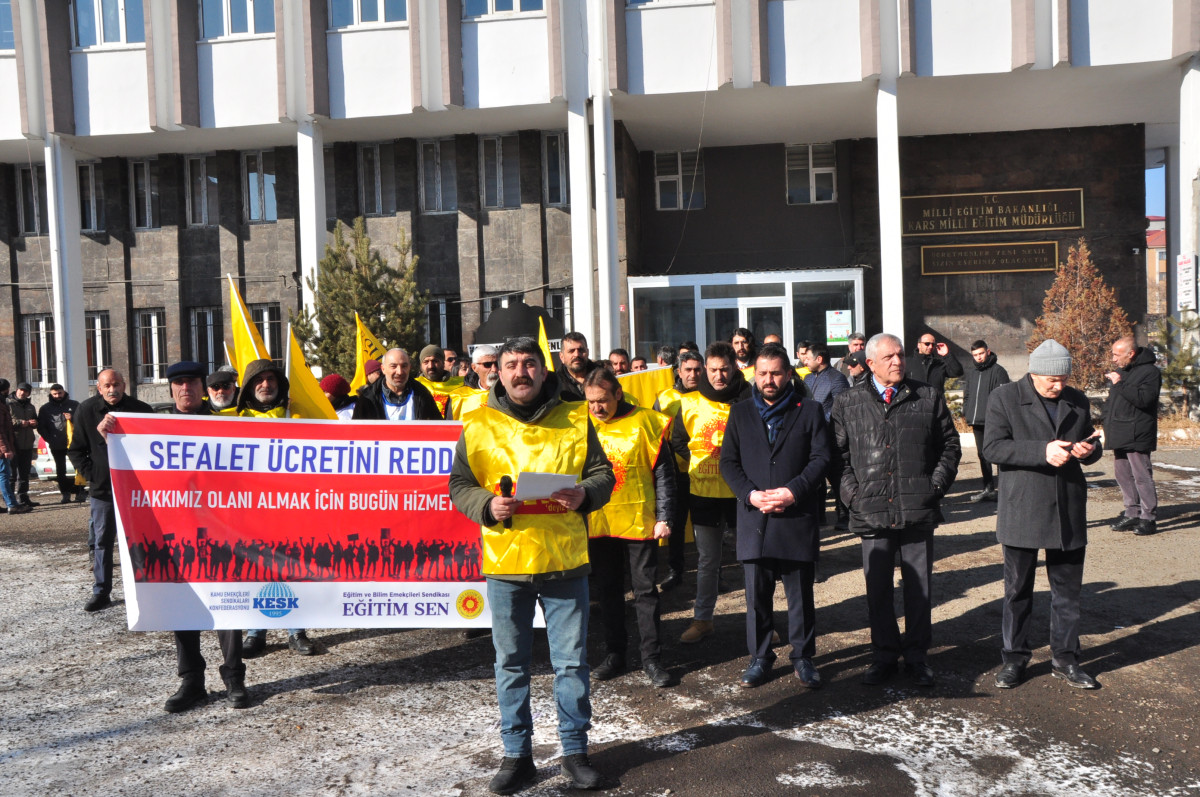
<point>1040,433</point>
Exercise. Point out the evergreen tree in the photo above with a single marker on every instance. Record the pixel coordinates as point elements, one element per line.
<point>1080,311</point>
<point>1175,341</point>
<point>353,277</point>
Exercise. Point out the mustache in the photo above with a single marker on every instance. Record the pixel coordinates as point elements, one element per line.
<point>521,380</point>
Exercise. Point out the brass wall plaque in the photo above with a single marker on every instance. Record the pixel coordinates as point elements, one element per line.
<point>989,258</point>
<point>995,212</point>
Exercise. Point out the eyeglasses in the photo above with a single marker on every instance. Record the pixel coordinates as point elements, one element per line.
<point>492,364</point>
<point>924,342</point>
<point>221,386</point>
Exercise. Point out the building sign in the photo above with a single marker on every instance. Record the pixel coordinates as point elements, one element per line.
<point>989,258</point>
<point>837,327</point>
<point>1185,282</point>
<point>995,212</point>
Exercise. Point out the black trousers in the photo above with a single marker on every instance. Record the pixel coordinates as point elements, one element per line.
<point>66,484</point>
<point>677,540</point>
<point>1065,571</point>
<point>191,661</point>
<point>914,544</point>
<point>797,578</point>
<point>608,556</point>
<point>984,465</point>
<point>19,474</point>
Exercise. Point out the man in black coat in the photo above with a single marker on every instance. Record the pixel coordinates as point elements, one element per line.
<point>396,397</point>
<point>89,455</point>
<point>988,376</point>
<point>774,457</point>
<point>899,455</point>
<point>1131,432</point>
<point>933,363</point>
<point>1039,431</point>
<point>53,418</point>
<point>576,366</point>
<point>24,421</point>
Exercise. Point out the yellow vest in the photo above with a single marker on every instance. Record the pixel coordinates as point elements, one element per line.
<point>465,399</point>
<point>748,372</point>
<point>802,372</point>
<point>441,390</point>
<point>704,422</point>
<point>277,412</point>
<point>632,444</point>
<point>668,402</point>
<point>545,536</point>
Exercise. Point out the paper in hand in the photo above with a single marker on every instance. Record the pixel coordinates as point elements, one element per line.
<point>533,486</point>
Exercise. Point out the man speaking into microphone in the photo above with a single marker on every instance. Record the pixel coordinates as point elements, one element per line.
<point>534,551</point>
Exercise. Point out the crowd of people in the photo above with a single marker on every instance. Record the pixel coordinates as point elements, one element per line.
<point>746,441</point>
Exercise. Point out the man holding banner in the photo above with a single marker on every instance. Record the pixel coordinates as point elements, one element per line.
<point>434,376</point>
<point>534,549</point>
<point>396,397</point>
<point>187,391</point>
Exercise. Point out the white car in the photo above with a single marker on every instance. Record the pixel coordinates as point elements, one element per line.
<point>44,466</point>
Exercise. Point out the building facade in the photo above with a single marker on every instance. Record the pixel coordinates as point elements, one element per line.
<point>649,170</point>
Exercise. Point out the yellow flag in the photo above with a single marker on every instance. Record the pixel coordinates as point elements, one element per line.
<point>229,358</point>
<point>366,347</point>
<point>545,344</point>
<point>248,345</point>
<point>305,397</point>
<point>645,386</point>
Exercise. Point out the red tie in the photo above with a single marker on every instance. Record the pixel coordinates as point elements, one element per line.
<point>888,392</point>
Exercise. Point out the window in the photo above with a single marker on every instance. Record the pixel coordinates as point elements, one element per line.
<point>679,180</point>
<point>330,186</point>
<point>201,177</point>
<point>143,189</point>
<point>258,185</point>
<point>439,190</point>
<point>7,39</point>
<point>41,361</point>
<point>32,218</point>
<point>490,303</point>
<point>500,167</point>
<point>268,319</point>
<point>811,174</point>
<point>96,22</point>
<point>377,179</point>
<point>481,8</point>
<point>346,13</point>
<point>443,323</point>
<point>97,336</point>
<point>151,330</point>
<point>231,17</point>
<point>558,304</point>
<point>207,337</point>
<point>554,169</point>
<point>91,199</point>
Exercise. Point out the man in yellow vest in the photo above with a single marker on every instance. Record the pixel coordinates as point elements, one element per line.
<point>631,524</point>
<point>534,550</point>
<point>486,372</point>
<point>687,379</point>
<point>696,437</point>
<point>434,376</point>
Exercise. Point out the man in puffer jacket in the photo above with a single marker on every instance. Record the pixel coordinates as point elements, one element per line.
<point>1131,432</point>
<point>988,376</point>
<point>899,455</point>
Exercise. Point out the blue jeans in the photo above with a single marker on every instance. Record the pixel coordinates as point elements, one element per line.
<point>565,605</point>
<point>103,526</point>
<point>6,471</point>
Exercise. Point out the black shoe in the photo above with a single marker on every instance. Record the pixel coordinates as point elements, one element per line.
<point>81,496</point>
<point>658,675</point>
<point>66,499</point>
<point>1010,676</point>
<point>97,603</point>
<point>991,495</point>
<point>757,673</point>
<point>514,774</point>
<point>19,509</point>
<point>612,666</point>
<point>235,691</point>
<point>577,769</point>
<point>1123,523</point>
<point>253,645</point>
<point>671,582</point>
<point>301,644</point>
<point>843,521</point>
<point>3,510</point>
<point>807,673</point>
<point>920,673</point>
<point>1074,676</point>
<point>191,693</point>
<point>879,672</point>
<point>29,503</point>
<point>1145,528</point>
<point>979,496</point>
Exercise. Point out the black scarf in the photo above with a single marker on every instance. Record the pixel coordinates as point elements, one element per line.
<point>727,394</point>
<point>773,414</point>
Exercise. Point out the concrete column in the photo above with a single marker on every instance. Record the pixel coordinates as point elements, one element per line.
<point>66,268</point>
<point>891,266</point>
<point>579,148</point>
<point>310,167</point>
<point>604,158</point>
<point>1186,232</point>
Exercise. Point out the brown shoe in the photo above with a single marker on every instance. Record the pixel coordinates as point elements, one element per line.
<point>698,630</point>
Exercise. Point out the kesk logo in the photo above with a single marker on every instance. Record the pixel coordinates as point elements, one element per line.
<point>469,604</point>
<point>276,599</point>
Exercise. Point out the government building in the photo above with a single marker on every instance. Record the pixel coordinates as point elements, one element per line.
<point>650,171</point>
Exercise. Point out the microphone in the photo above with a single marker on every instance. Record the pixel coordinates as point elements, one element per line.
<point>506,488</point>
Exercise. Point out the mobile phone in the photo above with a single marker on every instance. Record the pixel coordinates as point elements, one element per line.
<point>1091,441</point>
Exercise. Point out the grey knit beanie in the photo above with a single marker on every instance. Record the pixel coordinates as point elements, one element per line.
<point>1050,359</point>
